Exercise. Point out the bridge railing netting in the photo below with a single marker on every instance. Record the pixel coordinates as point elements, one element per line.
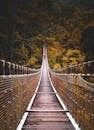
<point>77,96</point>
<point>15,94</point>
<point>82,68</point>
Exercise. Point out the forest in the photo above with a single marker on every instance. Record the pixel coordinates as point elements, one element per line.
<point>65,26</point>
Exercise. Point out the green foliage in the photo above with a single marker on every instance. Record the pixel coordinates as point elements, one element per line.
<point>21,54</point>
<point>28,55</point>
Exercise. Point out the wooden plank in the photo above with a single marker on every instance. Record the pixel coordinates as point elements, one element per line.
<point>36,110</point>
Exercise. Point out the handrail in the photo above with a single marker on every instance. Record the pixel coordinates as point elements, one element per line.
<point>79,80</point>
<point>84,67</point>
<point>8,68</point>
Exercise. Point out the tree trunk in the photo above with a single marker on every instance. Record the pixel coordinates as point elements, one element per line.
<point>11,37</point>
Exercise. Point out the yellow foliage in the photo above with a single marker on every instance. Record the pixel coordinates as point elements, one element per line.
<point>57,66</point>
<point>32,61</point>
<point>72,57</point>
<point>54,54</point>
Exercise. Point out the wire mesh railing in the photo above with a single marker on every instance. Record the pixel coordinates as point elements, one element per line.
<point>15,94</point>
<point>77,96</point>
<point>82,68</point>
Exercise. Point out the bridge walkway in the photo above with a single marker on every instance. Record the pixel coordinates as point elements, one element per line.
<point>46,112</point>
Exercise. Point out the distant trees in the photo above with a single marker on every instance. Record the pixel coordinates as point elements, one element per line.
<point>3,28</point>
<point>72,57</point>
<point>60,57</point>
<point>20,54</point>
<point>87,41</point>
<point>60,26</point>
<point>27,52</point>
<point>32,62</point>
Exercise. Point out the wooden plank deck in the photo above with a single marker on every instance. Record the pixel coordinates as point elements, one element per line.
<point>46,112</point>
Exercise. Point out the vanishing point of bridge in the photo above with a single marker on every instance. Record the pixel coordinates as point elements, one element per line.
<point>44,99</point>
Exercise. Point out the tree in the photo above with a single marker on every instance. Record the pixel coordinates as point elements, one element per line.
<point>72,57</point>
<point>32,62</point>
<point>11,38</point>
<point>20,52</point>
<point>87,41</point>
